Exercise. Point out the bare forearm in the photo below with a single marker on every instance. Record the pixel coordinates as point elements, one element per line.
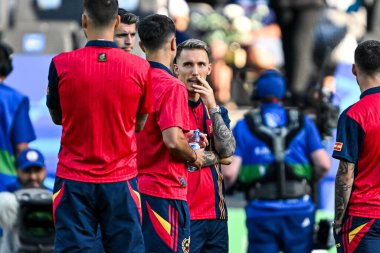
<point>181,149</point>
<point>20,147</point>
<point>212,158</point>
<point>343,187</point>
<point>224,140</point>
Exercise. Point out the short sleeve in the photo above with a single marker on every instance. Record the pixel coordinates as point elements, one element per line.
<point>146,101</point>
<point>22,130</point>
<point>225,117</point>
<point>349,138</point>
<point>173,108</point>
<point>52,95</point>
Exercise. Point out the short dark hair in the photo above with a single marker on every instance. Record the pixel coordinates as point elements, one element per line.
<point>367,57</point>
<point>127,17</point>
<point>101,12</point>
<point>155,30</point>
<point>5,59</point>
<point>192,44</point>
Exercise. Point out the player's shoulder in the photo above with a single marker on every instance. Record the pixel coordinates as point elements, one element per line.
<point>65,55</point>
<point>165,79</point>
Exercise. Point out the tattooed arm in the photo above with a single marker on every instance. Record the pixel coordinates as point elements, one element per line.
<point>343,187</point>
<point>223,138</point>
<point>212,158</point>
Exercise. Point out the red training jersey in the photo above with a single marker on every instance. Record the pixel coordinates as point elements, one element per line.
<point>99,90</point>
<point>205,195</point>
<point>160,174</point>
<point>358,142</point>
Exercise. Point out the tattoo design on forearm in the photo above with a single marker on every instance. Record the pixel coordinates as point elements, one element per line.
<point>224,140</point>
<point>210,158</point>
<point>343,187</point>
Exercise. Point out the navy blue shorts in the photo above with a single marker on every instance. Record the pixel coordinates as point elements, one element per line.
<point>359,235</point>
<point>79,208</point>
<point>292,233</point>
<point>209,236</point>
<point>166,225</point>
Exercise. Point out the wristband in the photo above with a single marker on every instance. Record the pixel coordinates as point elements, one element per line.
<point>196,157</point>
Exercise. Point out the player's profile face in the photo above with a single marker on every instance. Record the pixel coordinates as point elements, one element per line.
<point>125,36</point>
<point>192,63</point>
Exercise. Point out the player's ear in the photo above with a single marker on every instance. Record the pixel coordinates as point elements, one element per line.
<point>84,21</point>
<point>142,46</point>
<point>354,70</point>
<point>84,24</point>
<point>117,21</point>
<point>209,69</point>
<point>173,44</point>
<point>175,69</point>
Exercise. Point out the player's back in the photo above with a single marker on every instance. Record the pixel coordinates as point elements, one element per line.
<point>99,90</point>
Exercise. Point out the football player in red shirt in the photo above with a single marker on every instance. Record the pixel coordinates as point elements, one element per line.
<point>100,95</point>
<point>162,146</point>
<point>208,210</point>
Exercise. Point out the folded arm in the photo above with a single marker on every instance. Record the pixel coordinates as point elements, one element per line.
<point>178,146</point>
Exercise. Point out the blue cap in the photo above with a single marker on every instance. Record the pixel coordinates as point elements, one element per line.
<point>30,157</point>
<point>270,83</point>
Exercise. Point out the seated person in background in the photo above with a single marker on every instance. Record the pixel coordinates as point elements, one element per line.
<point>31,171</point>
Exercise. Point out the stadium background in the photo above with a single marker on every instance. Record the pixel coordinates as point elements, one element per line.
<point>36,41</point>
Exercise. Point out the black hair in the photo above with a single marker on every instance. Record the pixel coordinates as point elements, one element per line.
<point>155,30</point>
<point>101,12</point>
<point>5,59</point>
<point>192,44</point>
<point>367,57</point>
<point>127,17</point>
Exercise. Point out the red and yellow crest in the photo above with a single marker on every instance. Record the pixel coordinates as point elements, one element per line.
<point>186,245</point>
<point>338,146</point>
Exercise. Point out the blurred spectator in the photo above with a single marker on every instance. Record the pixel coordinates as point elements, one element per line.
<point>278,154</point>
<point>221,77</point>
<point>31,171</point>
<point>125,32</point>
<point>16,129</point>
<point>297,20</point>
<point>179,12</point>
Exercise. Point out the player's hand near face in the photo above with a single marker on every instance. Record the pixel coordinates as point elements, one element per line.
<point>206,92</point>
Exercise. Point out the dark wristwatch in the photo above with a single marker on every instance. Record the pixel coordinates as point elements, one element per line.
<point>216,109</point>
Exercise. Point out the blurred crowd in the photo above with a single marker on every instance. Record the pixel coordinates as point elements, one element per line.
<point>304,39</point>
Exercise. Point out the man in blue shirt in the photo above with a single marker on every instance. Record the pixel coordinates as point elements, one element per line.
<point>278,152</point>
<point>31,171</point>
<point>16,129</point>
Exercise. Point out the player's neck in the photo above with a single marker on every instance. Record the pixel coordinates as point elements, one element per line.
<point>160,57</point>
<point>103,34</point>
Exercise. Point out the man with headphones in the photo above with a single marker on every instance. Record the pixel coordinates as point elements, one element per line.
<point>16,129</point>
<point>278,154</point>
